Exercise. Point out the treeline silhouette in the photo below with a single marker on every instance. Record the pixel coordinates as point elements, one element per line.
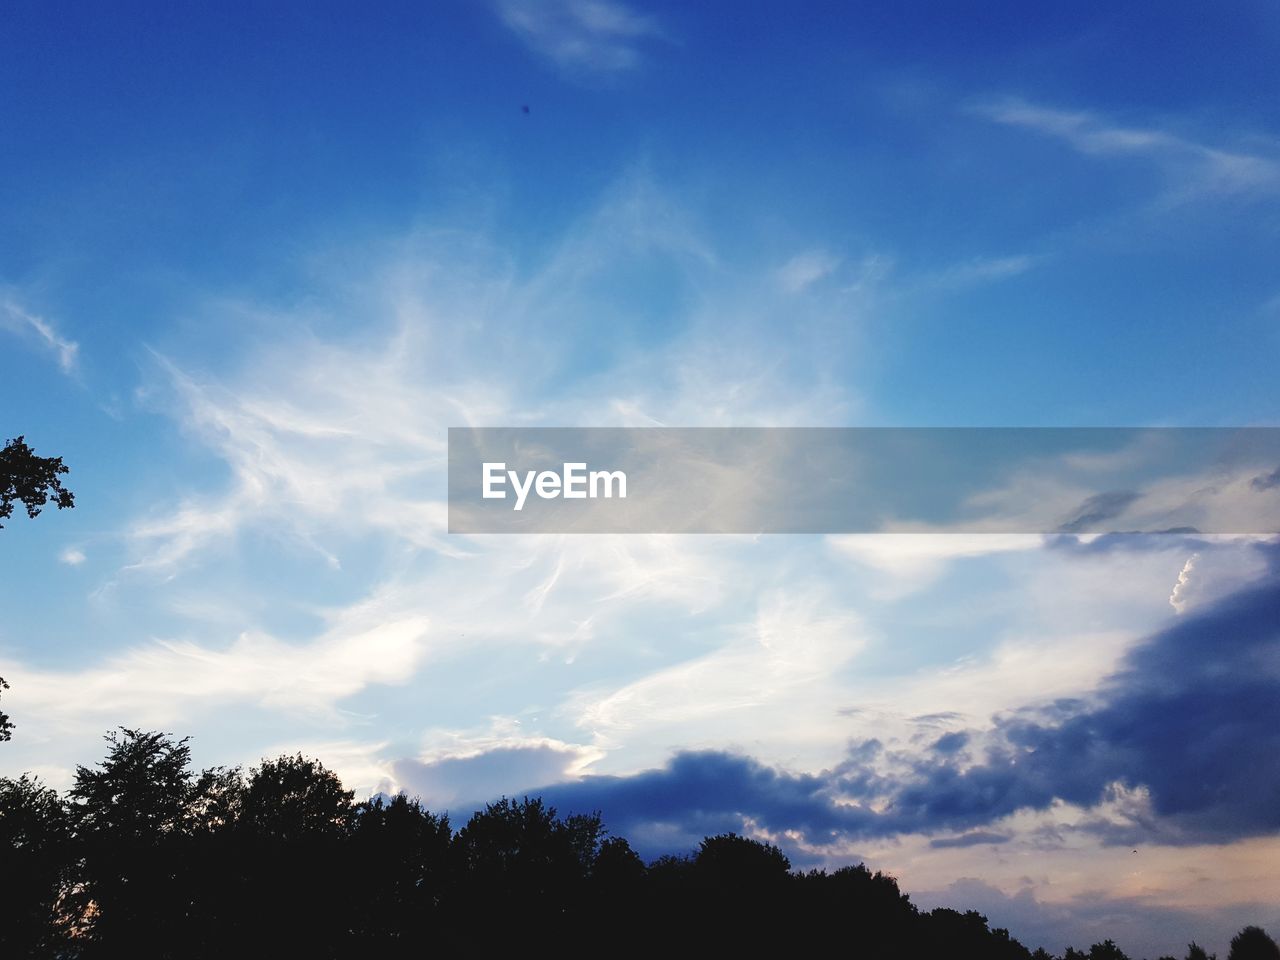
<point>145,858</point>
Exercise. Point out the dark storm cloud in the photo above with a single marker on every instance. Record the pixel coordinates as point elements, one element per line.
<point>1192,716</point>
<point>950,743</point>
<point>710,792</point>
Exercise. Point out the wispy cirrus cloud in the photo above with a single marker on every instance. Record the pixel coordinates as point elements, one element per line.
<point>805,269</point>
<point>323,435</point>
<point>596,36</point>
<point>984,270</point>
<point>1196,168</point>
<point>16,320</point>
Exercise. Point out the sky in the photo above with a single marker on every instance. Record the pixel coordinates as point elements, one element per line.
<point>256,259</point>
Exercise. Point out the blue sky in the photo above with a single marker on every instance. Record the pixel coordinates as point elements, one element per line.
<point>255,261</point>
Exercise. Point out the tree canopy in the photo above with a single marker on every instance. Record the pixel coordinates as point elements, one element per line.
<point>31,480</point>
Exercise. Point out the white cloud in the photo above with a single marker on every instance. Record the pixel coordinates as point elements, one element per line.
<point>1178,598</point>
<point>72,556</point>
<point>335,442</point>
<point>984,270</point>
<point>332,451</point>
<point>770,681</point>
<point>163,681</point>
<point>600,36</point>
<point>1207,576</point>
<point>1196,168</point>
<point>18,321</point>
<point>805,269</point>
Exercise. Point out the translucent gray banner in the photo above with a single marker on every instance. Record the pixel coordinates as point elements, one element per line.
<point>1209,480</point>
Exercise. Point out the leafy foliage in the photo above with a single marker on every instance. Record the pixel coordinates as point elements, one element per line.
<point>30,479</point>
<point>6,727</point>
<point>37,861</point>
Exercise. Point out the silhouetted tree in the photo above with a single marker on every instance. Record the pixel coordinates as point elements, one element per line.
<point>1196,952</point>
<point>214,873</point>
<point>950,933</point>
<point>1106,951</point>
<point>671,870</point>
<point>1253,943</point>
<point>293,824</point>
<point>615,890</point>
<point>871,903</point>
<point>6,728</point>
<point>129,817</point>
<point>217,801</point>
<point>618,868</point>
<point>31,480</point>
<point>35,863</point>
<point>400,853</point>
<point>523,847</point>
<point>522,855</point>
<point>737,880</point>
<point>296,799</point>
<point>728,861</point>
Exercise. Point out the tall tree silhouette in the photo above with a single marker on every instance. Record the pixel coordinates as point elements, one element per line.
<point>522,855</point>
<point>294,822</point>
<point>1253,943</point>
<point>37,861</point>
<point>400,852</point>
<point>130,816</point>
